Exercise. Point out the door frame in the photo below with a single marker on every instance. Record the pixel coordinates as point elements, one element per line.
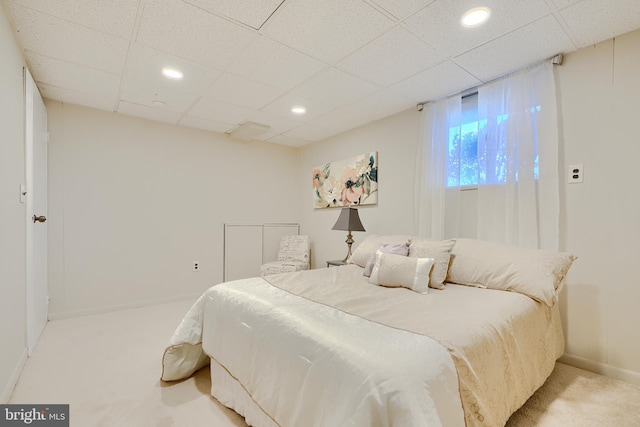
<point>36,282</point>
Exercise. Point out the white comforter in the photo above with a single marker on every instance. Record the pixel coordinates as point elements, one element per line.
<point>307,364</point>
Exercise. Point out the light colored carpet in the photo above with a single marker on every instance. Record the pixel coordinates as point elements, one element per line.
<point>107,367</point>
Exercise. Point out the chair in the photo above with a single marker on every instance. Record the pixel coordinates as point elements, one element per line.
<point>293,255</point>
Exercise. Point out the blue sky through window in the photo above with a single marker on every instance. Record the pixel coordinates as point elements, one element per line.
<point>462,161</point>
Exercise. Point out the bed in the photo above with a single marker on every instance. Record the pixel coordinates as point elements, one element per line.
<point>335,347</point>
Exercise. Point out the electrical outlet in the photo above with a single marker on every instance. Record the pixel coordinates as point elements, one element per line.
<point>576,174</point>
<point>196,266</point>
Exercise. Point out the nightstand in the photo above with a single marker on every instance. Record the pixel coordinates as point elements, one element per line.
<point>335,263</point>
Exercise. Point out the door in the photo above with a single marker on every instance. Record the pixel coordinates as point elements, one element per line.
<point>36,139</point>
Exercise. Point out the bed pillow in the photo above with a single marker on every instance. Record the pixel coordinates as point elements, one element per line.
<point>535,273</point>
<point>387,248</point>
<point>394,271</point>
<point>440,251</point>
<point>370,244</point>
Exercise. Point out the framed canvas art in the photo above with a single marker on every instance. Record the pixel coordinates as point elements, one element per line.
<point>349,182</point>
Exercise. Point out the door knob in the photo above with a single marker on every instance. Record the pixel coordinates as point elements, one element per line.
<point>40,218</point>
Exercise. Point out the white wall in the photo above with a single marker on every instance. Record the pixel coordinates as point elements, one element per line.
<point>12,213</point>
<point>599,95</point>
<point>132,203</point>
<point>395,139</point>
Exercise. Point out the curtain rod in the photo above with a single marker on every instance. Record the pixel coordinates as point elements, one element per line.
<point>555,60</point>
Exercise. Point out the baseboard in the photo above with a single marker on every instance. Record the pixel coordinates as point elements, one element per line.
<point>7,391</point>
<point>601,368</point>
<point>118,307</point>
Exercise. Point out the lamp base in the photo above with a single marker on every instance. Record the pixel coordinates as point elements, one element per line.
<point>349,242</point>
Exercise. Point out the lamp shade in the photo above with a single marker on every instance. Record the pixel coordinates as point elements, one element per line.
<point>349,220</point>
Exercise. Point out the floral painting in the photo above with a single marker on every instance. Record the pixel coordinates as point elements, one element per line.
<point>350,182</point>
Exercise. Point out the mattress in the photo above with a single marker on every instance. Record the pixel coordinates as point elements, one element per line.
<point>486,351</point>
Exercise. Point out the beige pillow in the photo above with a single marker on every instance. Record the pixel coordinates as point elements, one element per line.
<point>440,252</point>
<point>536,273</point>
<point>399,271</point>
<point>369,246</point>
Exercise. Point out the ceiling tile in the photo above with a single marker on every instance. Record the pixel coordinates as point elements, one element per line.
<point>282,107</point>
<point>592,21</point>
<point>211,109</point>
<point>288,140</point>
<point>561,4</point>
<point>157,114</point>
<point>145,93</point>
<point>241,91</point>
<point>310,132</point>
<point>54,37</point>
<point>363,111</point>
<point>273,64</point>
<point>437,82</point>
<point>73,77</point>
<point>146,64</point>
<point>544,39</point>
<point>391,57</point>
<point>402,8</point>
<point>277,124</point>
<point>186,31</point>
<point>334,87</point>
<point>115,17</point>
<point>326,29</point>
<point>205,124</point>
<point>439,23</point>
<point>78,98</point>
<point>249,12</point>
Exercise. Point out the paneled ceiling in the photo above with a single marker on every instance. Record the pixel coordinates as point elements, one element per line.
<point>349,62</point>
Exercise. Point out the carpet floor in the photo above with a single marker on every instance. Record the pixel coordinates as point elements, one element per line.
<point>107,367</point>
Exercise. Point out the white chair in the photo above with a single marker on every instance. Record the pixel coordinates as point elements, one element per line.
<point>293,255</point>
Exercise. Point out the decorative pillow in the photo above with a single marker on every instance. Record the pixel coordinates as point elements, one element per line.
<point>401,249</point>
<point>400,271</point>
<point>440,252</point>
<point>370,244</point>
<point>536,273</point>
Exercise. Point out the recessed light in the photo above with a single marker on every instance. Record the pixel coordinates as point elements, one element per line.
<point>476,16</point>
<point>298,109</point>
<point>172,73</point>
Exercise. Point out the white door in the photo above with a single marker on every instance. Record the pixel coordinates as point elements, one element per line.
<point>36,139</point>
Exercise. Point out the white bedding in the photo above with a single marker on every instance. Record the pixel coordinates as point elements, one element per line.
<point>325,347</point>
<point>335,369</point>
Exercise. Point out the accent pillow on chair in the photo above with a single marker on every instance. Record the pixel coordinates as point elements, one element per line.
<point>293,255</point>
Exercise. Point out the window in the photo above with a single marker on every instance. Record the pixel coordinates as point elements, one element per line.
<point>465,166</point>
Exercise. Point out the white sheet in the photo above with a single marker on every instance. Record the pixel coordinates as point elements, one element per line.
<point>331,368</point>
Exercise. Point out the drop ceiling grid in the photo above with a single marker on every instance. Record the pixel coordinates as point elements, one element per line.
<point>351,61</point>
<point>592,21</point>
<point>392,57</point>
<point>252,13</point>
<point>186,31</point>
<point>505,54</point>
<point>439,23</point>
<point>329,30</point>
<point>55,72</point>
<point>114,17</point>
<point>50,36</point>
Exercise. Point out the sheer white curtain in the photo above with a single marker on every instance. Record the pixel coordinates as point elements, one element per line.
<point>518,182</point>
<point>441,122</point>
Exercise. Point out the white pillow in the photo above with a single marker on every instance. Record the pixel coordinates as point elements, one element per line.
<point>369,246</point>
<point>438,250</point>
<point>536,273</point>
<point>399,271</point>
